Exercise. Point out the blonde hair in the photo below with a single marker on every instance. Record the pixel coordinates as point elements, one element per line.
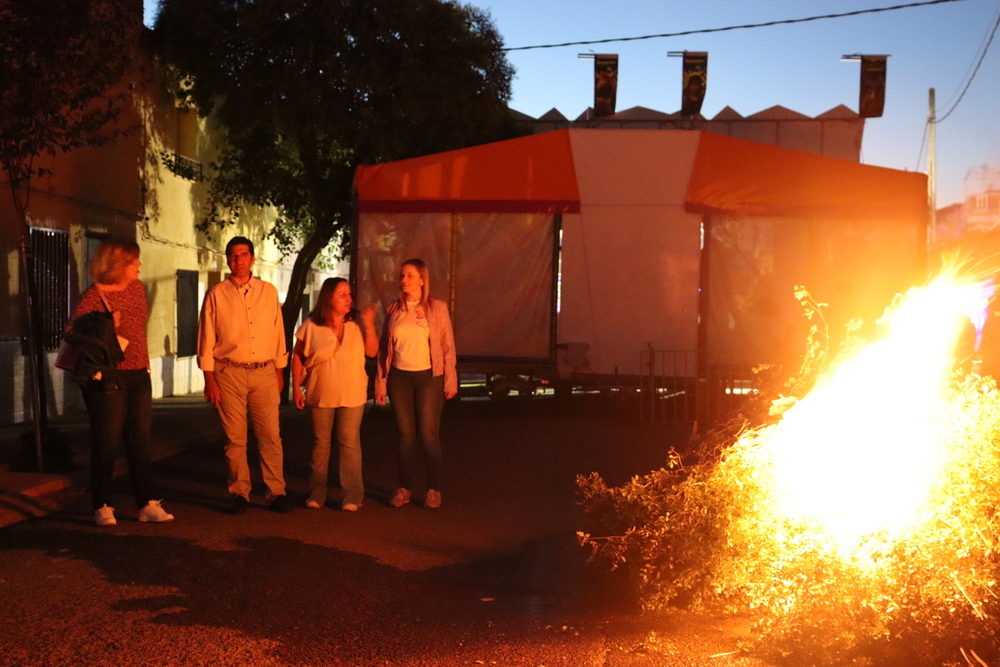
<point>425,289</point>
<point>110,261</point>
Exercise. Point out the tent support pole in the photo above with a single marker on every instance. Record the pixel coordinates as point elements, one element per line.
<point>556,269</point>
<point>453,266</point>
<point>703,296</point>
<point>703,383</point>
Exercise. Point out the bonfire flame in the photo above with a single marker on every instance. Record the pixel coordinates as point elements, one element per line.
<point>863,526</point>
<point>859,455</point>
<point>869,514</point>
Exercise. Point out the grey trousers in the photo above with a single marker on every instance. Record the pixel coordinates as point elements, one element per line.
<point>348,423</point>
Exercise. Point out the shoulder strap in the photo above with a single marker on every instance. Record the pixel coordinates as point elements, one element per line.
<point>104,298</point>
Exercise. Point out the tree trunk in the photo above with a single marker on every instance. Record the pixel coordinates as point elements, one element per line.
<point>313,246</point>
<point>35,355</point>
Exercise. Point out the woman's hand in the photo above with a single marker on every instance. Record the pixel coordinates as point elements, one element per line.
<point>368,316</point>
<point>300,398</point>
<point>380,398</point>
<point>450,394</point>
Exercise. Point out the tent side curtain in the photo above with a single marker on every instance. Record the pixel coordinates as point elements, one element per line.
<point>526,175</point>
<point>501,284</point>
<point>739,177</point>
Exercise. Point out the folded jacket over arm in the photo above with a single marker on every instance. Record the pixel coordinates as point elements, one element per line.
<point>95,333</point>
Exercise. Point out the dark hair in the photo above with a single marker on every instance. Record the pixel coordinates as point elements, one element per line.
<point>112,257</point>
<point>239,240</point>
<point>320,313</point>
<point>425,290</point>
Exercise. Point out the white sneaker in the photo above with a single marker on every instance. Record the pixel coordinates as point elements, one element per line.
<point>154,513</point>
<point>351,507</point>
<point>313,504</point>
<point>433,500</point>
<point>105,516</point>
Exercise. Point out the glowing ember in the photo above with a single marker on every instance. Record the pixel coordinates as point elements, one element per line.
<point>859,454</point>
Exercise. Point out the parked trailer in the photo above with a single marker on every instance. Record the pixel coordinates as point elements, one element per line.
<point>564,256</point>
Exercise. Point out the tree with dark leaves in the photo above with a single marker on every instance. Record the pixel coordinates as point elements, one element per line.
<point>307,90</point>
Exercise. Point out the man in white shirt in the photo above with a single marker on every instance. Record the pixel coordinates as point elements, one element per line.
<point>241,350</point>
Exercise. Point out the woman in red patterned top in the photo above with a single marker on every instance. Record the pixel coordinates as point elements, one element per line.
<point>118,392</point>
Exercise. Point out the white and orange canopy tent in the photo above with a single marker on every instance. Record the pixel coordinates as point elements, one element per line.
<point>625,239</point>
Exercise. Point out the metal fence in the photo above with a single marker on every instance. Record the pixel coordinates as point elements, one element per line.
<point>673,388</point>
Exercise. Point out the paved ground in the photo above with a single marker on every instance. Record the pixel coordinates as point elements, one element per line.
<point>494,577</point>
<point>178,422</point>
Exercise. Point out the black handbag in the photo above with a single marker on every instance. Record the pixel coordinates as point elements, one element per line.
<point>88,329</point>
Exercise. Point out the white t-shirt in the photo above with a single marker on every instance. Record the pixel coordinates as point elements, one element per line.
<point>411,350</point>
<point>335,372</point>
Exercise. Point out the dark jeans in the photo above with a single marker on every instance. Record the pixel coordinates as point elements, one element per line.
<point>417,398</point>
<point>120,411</point>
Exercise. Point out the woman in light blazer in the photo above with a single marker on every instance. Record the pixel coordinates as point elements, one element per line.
<point>416,370</point>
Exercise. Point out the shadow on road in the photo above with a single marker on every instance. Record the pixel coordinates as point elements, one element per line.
<point>493,577</point>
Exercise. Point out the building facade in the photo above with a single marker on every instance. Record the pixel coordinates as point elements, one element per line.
<point>127,190</point>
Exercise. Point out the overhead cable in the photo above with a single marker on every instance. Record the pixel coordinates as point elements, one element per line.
<point>732,27</point>
<point>968,83</point>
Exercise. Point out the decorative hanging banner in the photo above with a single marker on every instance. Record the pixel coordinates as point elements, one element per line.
<point>694,82</point>
<point>605,83</point>
<point>872,98</point>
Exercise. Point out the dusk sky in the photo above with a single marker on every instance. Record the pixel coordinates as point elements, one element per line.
<point>797,66</point>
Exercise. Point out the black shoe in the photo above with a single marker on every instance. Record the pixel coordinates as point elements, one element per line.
<point>281,505</point>
<point>239,505</point>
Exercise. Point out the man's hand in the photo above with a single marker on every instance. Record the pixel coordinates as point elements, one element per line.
<point>300,399</point>
<point>212,392</point>
<point>380,398</point>
<point>280,372</point>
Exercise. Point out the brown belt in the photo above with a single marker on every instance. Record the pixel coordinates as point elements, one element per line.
<point>248,365</point>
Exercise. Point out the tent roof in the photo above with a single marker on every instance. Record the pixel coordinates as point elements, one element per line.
<point>746,178</point>
<point>529,174</point>
<point>539,173</point>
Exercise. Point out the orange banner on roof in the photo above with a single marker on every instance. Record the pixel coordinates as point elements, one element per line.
<point>741,177</point>
<point>527,175</point>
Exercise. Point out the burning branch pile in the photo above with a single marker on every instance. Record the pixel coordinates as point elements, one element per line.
<point>863,527</point>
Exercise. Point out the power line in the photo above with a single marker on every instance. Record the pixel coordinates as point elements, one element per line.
<point>971,74</point>
<point>968,70</point>
<point>968,83</point>
<point>733,27</point>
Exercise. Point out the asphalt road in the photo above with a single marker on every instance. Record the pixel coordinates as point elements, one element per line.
<point>493,577</point>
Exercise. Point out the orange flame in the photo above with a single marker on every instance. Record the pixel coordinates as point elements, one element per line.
<point>859,454</point>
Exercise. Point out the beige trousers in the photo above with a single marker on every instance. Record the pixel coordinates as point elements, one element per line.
<point>256,392</point>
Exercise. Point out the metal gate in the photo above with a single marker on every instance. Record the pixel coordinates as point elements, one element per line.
<point>673,388</point>
<point>50,252</point>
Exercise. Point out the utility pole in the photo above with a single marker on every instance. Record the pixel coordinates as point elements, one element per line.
<point>931,169</point>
